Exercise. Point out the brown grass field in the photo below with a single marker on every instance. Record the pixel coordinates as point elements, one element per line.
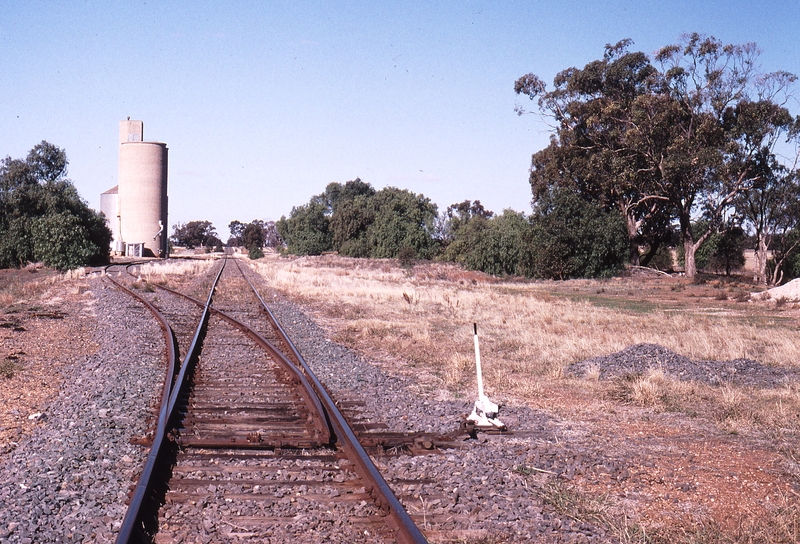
<point>738,445</point>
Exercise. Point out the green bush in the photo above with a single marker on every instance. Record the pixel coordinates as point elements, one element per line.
<point>355,220</point>
<point>573,238</point>
<point>307,229</point>
<point>255,252</point>
<point>8,368</point>
<point>728,253</point>
<point>406,256</point>
<point>495,245</point>
<point>402,219</point>
<point>61,241</point>
<point>43,217</point>
<point>721,252</point>
<point>350,223</point>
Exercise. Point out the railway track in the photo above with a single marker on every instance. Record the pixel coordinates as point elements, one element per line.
<point>248,442</point>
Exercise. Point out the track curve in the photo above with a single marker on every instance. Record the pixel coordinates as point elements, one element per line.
<point>255,446</point>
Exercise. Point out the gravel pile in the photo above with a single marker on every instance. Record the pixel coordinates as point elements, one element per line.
<point>69,480</point>
<point>639,358</point>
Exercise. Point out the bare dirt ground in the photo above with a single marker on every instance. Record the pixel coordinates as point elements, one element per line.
<point>45,322</point>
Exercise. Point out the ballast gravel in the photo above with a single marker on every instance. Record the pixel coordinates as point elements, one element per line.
<point>68,480</point>
<point>638,359</point>
<point>486,489</point>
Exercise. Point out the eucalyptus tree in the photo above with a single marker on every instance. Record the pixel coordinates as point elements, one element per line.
<point>658,143</point>
<point>724,117</point>
<point>350,224</point>
<point>403,220</point>
<point>592,149</point>
<point>194,234</point>
<point>456,217</point>
<point>307,229</point>
<point>771,208</point>
<point>42,216</point>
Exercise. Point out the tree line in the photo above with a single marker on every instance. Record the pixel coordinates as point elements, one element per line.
<point>690,138</point>
<point>681,151</point>
<point>253,236</point>
<point>42,217</point>
<point>566,237</point>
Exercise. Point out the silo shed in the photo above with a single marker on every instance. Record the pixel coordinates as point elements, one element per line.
<point>109,205</point>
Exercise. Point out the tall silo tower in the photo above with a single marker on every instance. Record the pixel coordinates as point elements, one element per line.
<point>142,190</point>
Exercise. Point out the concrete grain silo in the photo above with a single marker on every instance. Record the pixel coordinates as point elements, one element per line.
<point>142,191</point>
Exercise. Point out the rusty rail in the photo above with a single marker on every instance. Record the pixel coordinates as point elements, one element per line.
<point>307,390</point>
<point>132,529</point>
<point>407,530</point>
<point>331,422</point>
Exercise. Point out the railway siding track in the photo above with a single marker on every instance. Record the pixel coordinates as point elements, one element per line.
<point>372,434</point>
<point>251,453</point>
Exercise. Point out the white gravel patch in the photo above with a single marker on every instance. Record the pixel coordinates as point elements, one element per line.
<point>789,291</point>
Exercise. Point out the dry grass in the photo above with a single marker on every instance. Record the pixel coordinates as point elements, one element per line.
<point>159,270</point>
<point>76,274</point>
<point>733,408</point>
<point>527,330</point>
<point>781,526</point>
<point>8,368</point>
<point>420,322</point>
<point>570,501</point>
<point>22,287</point>
<point>188,276</point>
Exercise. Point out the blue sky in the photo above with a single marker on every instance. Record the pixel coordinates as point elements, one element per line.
<point>262,104</point>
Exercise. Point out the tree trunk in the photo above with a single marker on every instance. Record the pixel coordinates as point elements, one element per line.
<point>633,235</point>
<point>634,250</point>
<point>760,264</point>
<point>689,247</point>
<point>654,247</point>
<point>689,266</point>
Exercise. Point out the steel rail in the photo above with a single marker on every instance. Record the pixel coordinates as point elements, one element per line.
<point>317,411</point>
<point>132,529</point>
<point>398,519</point>
<point>407,530</point>
<point>170,341</point>
<point>318,414</point>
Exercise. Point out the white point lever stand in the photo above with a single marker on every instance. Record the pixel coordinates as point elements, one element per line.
<point>484,415</point>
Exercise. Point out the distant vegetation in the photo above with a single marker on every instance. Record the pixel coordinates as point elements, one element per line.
<point>565,237</point>
<point>42,216</point>
<point>253,236</point>
<point>196,234</point>
<point>356,220</point>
